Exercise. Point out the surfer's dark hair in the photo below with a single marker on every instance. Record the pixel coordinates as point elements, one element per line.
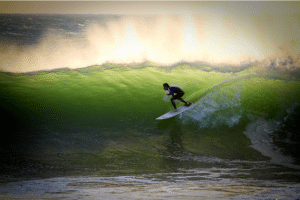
<point>166,84</point>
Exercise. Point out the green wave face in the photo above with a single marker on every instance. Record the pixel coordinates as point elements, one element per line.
<point>104,119</point>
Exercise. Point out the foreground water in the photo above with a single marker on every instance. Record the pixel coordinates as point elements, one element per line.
<point>192,184</point>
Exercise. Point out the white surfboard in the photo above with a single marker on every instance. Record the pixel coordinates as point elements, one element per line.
<point>170,114</point>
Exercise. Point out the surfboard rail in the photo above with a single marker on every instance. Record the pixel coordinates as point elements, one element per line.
<point>171,113</point>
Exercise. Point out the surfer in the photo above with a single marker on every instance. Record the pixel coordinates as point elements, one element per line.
<point>179,93</point>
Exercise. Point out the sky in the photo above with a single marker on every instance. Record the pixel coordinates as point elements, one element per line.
<point>208,31</point>
<point>147,7</point>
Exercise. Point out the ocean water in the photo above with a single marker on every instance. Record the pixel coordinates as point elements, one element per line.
<point>91,132</point>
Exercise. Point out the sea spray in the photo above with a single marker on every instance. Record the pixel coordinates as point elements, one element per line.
<point>219,107</point>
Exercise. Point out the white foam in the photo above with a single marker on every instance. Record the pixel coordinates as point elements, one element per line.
<point>259,132</point>
<point>190,185</point>
<point>217,108</point>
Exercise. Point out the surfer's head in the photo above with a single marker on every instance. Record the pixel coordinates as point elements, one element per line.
<point>166,86</point>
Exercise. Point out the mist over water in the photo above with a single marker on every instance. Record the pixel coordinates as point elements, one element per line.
<point>220,39</point>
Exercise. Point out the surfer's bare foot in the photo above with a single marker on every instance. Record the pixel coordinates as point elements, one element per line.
<point>175,110</point>
<point>188,104</point>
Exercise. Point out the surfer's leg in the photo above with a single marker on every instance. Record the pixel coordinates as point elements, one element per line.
<point>185,103</point>
<point>173,102</point>
<point>178,96</point>
<point>181,99</point>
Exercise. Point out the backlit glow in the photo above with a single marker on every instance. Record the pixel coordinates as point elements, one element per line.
<point>211,32</point>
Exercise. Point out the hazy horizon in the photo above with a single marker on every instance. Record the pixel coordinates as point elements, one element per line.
<point>149,7</point>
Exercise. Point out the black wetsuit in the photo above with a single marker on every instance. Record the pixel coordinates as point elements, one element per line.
<point>179,94</point>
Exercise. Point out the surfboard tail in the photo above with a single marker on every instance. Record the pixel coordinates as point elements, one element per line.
<point>170,114</point>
